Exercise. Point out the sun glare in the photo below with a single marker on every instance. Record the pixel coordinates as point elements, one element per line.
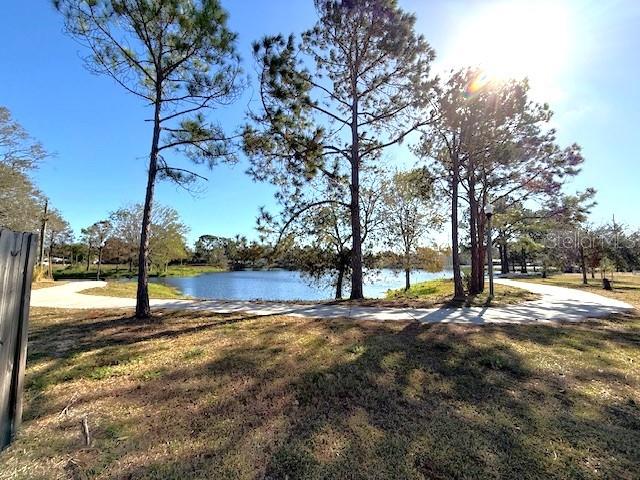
<point>516,40</point>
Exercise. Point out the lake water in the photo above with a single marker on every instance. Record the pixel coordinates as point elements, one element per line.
<point>284,284</point>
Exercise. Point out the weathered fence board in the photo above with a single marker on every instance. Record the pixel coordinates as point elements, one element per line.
<point>17,256</point>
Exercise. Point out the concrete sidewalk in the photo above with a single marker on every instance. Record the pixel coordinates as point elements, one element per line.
<point>556,303</point>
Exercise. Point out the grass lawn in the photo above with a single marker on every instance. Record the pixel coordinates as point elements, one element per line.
<point>196,395</point>
<point>626,286</point>
<point>129,289</point>
<point>437,293</point>
<point>189,270</point>
<point>45,284</point>
<point>121,271</point>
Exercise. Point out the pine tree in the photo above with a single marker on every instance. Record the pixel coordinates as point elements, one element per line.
<point>357,83</point>
<point>178,56</point>
<point>491,140</point>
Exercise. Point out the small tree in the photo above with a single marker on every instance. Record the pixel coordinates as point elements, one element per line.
<point>87,239</point>
<point>96,237</point>
<point>329,254</point>
<point>59,234</point>
<point>126,228</point>
<point>115,251</point>
<point>75,251</point>
<point>321,227</point>
<point>408,215</point>
<point>210,249</point>
<point>178,57</point>
<point>607,265</point>
<point>431,259</point>
<point>167,241</point>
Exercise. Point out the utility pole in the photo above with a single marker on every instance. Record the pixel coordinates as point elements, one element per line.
<point>43,230</point>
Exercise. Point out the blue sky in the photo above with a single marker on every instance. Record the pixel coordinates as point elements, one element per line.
<point>101,140</point>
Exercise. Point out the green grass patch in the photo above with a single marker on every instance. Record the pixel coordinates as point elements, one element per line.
<point>122,271</point>
<point>184,396</point>
<point>129,289</point>
<point>193,353</point>
<point>189,270</point>
<point>440,293</point>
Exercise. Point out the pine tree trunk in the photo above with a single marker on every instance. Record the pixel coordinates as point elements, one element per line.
<point>523,263</point>
<point>583,266</point>
<point>88,257</point>
<point>43,231</point>
<point>482,249</point>
<point>407,279</point>
<point>99,263</point>
<point>356,236</point>
<point>474,288</point>
<point>340,281</point>
<point>505,249</point>
<point>458,290</point>
<point>143,310</point>
<point>50,274</point>
<point>504,260</point>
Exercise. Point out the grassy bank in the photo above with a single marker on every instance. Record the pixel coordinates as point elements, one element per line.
<point>194,395</point>
<point>122,271</point>
<point>189,270</point>
<point>437,293</point>
<point>129,289</point>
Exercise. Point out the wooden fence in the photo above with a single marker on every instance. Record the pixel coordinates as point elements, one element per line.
<point>17,256</point>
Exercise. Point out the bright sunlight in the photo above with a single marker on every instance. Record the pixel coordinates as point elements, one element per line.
<point>516,40</point>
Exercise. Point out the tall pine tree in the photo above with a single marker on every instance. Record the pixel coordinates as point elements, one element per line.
<point>492,141</point>
<point>355,84</point>
<point>177,56</point>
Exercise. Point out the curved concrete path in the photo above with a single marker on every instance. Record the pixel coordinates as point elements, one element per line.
<point>556,303</point>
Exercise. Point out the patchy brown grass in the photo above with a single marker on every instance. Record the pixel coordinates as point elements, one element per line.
<point>45,284</point>
<point>193,395</point>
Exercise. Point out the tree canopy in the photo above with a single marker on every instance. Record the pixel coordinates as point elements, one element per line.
<point>20,200</point>
<point>330,104</point>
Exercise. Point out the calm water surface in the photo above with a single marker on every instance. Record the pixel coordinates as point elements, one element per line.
<point>283,284</point>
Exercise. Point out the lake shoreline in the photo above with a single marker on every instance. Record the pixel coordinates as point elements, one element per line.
<point>280,285</point>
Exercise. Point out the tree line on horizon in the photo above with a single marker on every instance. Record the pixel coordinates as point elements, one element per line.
<point>115,241</point>
<point>334,105</point>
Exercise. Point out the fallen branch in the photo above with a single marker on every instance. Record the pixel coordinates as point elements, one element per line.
<point>65,410</point>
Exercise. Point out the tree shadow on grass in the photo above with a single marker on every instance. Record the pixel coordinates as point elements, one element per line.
<point>421,402</point>
<point>431,403</point>
<point>285,398</point>
<point>92,345</point>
